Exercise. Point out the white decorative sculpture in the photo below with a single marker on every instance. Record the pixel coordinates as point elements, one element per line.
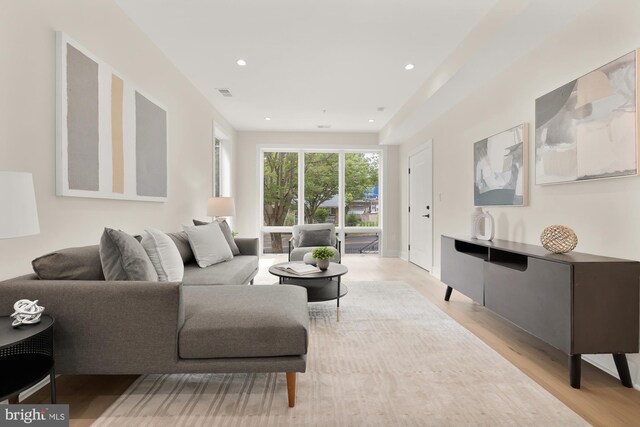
<point>483,226</point>
<point>26,312</point>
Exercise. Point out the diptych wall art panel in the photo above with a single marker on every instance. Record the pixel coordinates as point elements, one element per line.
<point>500,168</point>
<point>111,137</point>
<point>587,129</point>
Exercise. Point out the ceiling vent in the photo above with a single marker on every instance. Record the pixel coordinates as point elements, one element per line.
<point>324,126</point>
<point>225,92</point>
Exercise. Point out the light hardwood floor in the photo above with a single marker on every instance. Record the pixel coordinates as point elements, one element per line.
<point>601,401</point>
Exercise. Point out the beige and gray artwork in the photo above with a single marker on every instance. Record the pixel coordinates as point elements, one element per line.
<point>586,129</point>
<point>112,140</point>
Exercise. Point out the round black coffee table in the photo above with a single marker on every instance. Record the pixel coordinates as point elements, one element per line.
<point>323,286</point>
<point>26,356</point>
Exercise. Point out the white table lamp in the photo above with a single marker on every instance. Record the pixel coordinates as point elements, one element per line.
<point>18,211</point>
<point>221,206</point>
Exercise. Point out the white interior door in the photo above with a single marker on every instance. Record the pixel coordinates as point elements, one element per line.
<point>421,207</point>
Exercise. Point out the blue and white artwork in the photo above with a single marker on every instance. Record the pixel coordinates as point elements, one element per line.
<point>500,169</point>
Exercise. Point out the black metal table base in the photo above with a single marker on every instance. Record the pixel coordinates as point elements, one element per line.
<point>320,290</point>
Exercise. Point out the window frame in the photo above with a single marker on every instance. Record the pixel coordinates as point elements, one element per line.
<point>216,187</point>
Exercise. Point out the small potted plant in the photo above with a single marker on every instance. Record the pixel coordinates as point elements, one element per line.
<point>323,256</point>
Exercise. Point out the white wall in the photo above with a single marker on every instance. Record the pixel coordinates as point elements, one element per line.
<point>604,213</point>
<point>27,123</point>
<point>247,171</point>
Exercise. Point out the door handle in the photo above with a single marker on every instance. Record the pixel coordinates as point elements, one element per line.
<point>427,216</point>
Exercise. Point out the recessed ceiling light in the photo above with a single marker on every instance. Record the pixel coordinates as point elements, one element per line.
<point>409,67</point>
<point>267,118</point>
<point>371,120</point>
<point>241,62</point>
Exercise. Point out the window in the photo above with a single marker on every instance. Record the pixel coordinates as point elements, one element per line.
<point>361,189</point>
<point>340,187</point>
<point>217,165</point>
<point>275,243</point>
<point>321,188</point>
<point>362,243</point>
<point>280,197</point>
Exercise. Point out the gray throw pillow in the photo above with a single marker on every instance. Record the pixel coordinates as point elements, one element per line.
<point>182,243</point>
<point>124,258</point>
<point>315,238</point>
<point>81,263</point>
<point>208,244</point>
<point>226,231</point>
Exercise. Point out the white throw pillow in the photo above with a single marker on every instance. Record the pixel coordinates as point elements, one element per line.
<point>164,255</point>
<point>208,244</point>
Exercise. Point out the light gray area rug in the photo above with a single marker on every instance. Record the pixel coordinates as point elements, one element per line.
<point>394,359</point>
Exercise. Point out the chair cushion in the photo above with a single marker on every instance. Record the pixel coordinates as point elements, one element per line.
<point>238,271</point>
<point>315,238</point>
<point>295,234</point>
<point>244,321</point>
<point>297,254</point>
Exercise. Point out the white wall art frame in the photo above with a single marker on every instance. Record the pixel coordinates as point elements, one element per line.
<point>111,137</point>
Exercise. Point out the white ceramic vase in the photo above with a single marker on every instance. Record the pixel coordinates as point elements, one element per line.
<point>323,264</point>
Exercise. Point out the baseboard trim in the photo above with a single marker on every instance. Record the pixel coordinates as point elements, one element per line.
<point>391,254</point>
<point>609,370</point>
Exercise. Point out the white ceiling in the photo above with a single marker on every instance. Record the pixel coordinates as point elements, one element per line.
<point>345,56</point>
<point>530,23</point>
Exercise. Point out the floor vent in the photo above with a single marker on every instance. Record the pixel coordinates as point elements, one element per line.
<point>225,92</point>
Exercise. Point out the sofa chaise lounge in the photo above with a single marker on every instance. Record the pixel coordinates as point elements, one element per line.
<point>205,324</point>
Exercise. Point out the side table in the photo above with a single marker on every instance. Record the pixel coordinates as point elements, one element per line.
<point>26,357</point>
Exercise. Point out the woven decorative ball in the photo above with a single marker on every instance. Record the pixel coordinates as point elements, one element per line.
<point>558,239</point>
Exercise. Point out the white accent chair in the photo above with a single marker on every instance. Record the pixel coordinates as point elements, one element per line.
<point>297,252</point>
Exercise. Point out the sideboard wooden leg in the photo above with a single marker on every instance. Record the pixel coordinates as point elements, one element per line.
<point>447,294</point>
<point>291,388</point>
<point>575,364</point>
<point>623,369</point>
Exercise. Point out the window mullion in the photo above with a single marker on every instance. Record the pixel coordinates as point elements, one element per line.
<point>341,196</point>
<point>300,187</point>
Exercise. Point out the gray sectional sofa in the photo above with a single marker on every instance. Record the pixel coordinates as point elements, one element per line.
<point>209,323</point>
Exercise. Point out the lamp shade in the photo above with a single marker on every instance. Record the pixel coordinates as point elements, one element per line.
<point>18,212</point>
<point>221,206</point>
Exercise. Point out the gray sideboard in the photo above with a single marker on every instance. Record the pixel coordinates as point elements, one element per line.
<point>579,303</point>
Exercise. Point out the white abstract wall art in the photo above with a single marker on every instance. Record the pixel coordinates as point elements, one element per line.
<point>500,168</point>
<point>587,129</point>
<point>111,138</point>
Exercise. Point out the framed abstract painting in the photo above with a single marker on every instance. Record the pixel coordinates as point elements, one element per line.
<point>587,129</point>
<point>111,138</point>
<point>500,171</point>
